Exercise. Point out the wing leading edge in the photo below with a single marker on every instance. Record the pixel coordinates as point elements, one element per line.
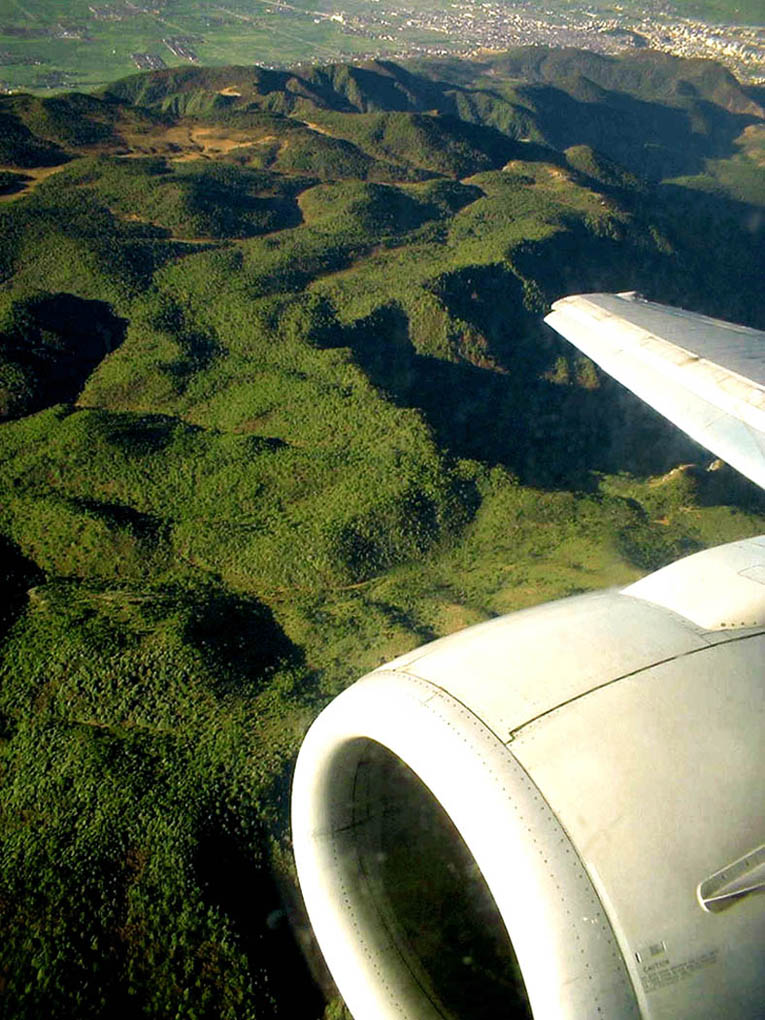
<point>705,375</point>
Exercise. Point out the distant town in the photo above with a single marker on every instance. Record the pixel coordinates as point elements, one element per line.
<point>277,33</point>
<point>471,26</point>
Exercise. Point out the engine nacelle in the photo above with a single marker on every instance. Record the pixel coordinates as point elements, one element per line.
<point>557,813</point>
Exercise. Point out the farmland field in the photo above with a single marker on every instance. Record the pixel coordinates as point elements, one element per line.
<point>46,45</point>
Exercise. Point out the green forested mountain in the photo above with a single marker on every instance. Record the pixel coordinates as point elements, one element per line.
<point>278,405</point>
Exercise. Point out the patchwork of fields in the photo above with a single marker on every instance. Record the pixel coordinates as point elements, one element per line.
<point>48,46</point>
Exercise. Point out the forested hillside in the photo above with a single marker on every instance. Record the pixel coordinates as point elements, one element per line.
<point>279,405</point>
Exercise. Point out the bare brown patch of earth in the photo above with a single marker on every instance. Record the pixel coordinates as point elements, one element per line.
<point>214,141</point>
<point>534,171</point>
<point>210,141</point>
<point>752,141</point>
<point>318,128</point>
<point>35,175</point>
<point>188,142</point>
<point>557,174</point>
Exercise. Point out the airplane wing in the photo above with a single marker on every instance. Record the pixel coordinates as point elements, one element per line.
<point>558,813</point>
<point>705,375</point>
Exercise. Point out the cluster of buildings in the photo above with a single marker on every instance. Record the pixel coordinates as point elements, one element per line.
<point>7,58</point>
<point>148,61</point>
<point>179,46</point>
<point>454,27</point>
<point>740,47</point>
<point>470,25</point>
<point>118,12</point>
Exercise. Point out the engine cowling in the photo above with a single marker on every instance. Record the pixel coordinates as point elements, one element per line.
<point>557,813</point>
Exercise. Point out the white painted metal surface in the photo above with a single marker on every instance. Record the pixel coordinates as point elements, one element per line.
<point>569,957</point>
<point>705,375</point>
<point>657,780</point>
<point>634,784</point>
<point>520,666</point>
<point>736,349</point>
<point>718,589</point>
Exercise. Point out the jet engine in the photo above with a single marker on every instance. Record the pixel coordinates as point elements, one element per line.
<point>554,814</point>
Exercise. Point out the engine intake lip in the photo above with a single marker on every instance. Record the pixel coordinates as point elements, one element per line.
<point>562,938</point>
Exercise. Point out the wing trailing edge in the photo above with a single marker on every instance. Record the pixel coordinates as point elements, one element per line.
<point>704,375</point>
